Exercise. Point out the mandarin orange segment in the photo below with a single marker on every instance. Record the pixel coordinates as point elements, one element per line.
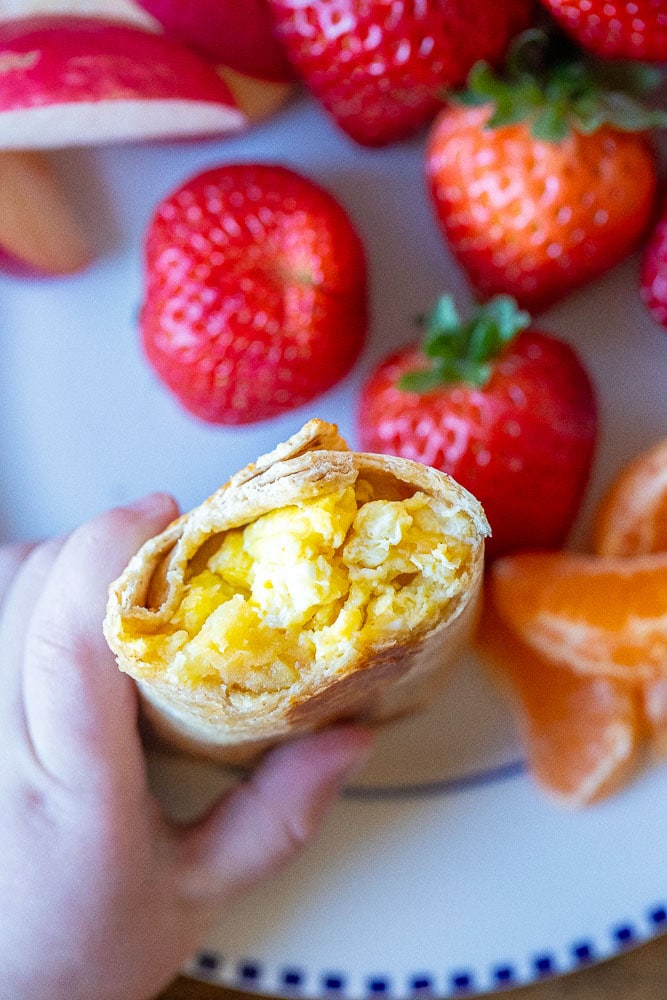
<point>631,518</point>
<point>604,616</point>
<point>580,733</point>
<point>655,714</point>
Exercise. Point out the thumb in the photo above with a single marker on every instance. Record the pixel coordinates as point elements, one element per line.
<point>80,710</point>
<point>270,817</point>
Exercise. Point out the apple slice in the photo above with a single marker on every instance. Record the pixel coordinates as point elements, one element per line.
<point>38,231</point>
<point>71,81</point>
<point>121,10</point>
<point>235,33</point>
<point>257,99</point>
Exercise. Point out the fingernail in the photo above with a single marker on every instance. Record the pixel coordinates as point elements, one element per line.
<point>358,760</point>
<point>152,503</point>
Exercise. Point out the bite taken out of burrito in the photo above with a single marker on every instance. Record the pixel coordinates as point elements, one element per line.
<point>318,584</point>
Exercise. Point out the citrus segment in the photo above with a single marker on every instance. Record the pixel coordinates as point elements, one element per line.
<point>655,714</point>
<point>631,518</point>
<point>580,732</point>
<point>595,615</point>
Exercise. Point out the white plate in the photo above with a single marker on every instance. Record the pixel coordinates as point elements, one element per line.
<point>443,869</point>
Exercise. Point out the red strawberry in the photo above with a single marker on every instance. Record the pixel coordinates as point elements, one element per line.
<point>543,183</point>
<point>255,295</point>
<point>508,412</point>
<point>653,277</point>
<point>378,67</point>
<point>617,30</point>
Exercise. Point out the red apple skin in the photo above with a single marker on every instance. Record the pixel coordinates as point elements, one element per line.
<point>235,33</point>
<point>17,268</point>
<point>61,59</point>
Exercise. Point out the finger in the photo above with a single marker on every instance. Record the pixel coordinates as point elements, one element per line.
<point>80,710</point>
<point>268,819</point>
<point>23,583</point>
<point>12,558</point>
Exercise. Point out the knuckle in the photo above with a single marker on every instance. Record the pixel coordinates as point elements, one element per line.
<point>288,829</point>
<point>49,642</point>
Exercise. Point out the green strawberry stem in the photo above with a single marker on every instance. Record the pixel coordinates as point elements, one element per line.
<point>555,86</point>
<point>462,351</point>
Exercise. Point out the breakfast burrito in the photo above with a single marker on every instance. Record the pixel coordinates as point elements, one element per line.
<point>318,584</point>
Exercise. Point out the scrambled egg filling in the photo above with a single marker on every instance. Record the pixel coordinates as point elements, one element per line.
<point>314,583</point>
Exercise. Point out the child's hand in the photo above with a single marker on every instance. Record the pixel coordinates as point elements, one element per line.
<point>102,897</point>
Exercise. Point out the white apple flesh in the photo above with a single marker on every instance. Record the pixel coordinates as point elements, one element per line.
<point>71,81</point>
<point>257,99</point>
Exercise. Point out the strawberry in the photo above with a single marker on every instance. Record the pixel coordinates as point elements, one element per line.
<point>653,276</point>
<point>255,297</point>
<point>541,181</point>
<point>507,411</point>
<point>615,30</point>
<point>379,68</point>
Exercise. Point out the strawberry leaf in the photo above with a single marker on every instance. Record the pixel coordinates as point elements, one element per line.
<point>589,114</point>
<point>422,381</point>
<point>442,322</point>
<point>628,114</point>
<point>462,351</point>
<point>556,88</point>
<point>507,319</point>
<point>635,78</point>
<point>551,125</point>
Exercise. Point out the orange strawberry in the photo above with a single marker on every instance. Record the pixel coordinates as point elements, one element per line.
<point>544,180</point>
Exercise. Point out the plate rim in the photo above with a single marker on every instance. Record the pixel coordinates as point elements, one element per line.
<point>253,976</point>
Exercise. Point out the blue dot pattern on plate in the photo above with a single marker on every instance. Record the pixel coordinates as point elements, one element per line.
<point>208,962</point>
<point>462,982</point>
<point>544,965</point>
<point>421,984</point>
<point>333,983</point>
<point>625,935</point>
<point>292,978</point>
<point>249,973</point>
<point>504,974</point>
<point>584,952</point>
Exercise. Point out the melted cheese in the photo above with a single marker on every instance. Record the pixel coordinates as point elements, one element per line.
<point>313,586</point>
